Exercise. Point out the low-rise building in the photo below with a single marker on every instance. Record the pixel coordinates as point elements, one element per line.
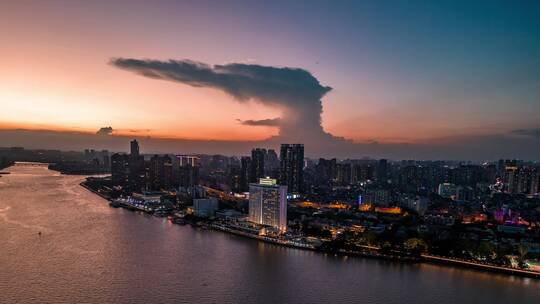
<point>205,207</point>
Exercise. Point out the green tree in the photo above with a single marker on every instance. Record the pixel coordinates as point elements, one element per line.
<point>415,246</point>
<point>368,238</point>
<point>486,249</point>
<point>522,252</point>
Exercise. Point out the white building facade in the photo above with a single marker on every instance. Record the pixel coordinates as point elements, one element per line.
<point>268,204</point>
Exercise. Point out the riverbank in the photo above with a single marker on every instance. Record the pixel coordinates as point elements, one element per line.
<point>485,267</point>
<point>78,170</point>
<point>102,195</point>
<point>370,252</point>
<point>366,254</point>
<point>5,165</point>
<point>374,252</point>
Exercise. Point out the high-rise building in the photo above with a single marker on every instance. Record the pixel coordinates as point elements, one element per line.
<point>268,204</point>
<point>292,167</point>
<point>134,148</point>
<point>525,181</point>
<point>467,175</point>
<point>188,176</point>
<point>106,160</point>
<point>325,171</point>
<point>271,164</point>
<point>464,193</point>
<point>191,160</point>
<point>185,171</point>
<point>120,169</point>
<point>379,197</point>
<point>155,167</point>
<point>363,172</point>
<point>136,168</point>
<point>257,164</point>
<point>166,178</point>
<point>447,190</point>
<point>511,178</point>
<point>382,171</point>
<point>235,178</point>
<point>159,173</point>
<point>343,174</point>
<point>535,182</point>
<point>245,173</point>
<point>127,171</point>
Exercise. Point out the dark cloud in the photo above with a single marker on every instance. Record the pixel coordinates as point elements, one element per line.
<point>294,91</point>
<point>105,131</point>
<point>534,132</point>
<point>271,122</point>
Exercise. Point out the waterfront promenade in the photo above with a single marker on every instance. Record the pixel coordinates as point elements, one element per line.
<point>475,265</point>
<point>369,252</point>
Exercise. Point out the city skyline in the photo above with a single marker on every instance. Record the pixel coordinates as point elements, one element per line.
<point>425,81</point>
<point>287,151</point>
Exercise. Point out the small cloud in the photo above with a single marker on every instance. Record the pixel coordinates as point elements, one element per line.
<point>139,130</point>
<point>534,132</point>
<point>271,122</point>
<point>105,131</point>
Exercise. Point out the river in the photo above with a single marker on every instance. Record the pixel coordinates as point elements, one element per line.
<point>90,253</point>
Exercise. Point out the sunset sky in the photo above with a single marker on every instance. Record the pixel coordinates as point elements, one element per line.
<point>424,73</point>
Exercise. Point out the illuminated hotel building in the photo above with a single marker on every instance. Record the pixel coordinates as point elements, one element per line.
<point>268,204</point>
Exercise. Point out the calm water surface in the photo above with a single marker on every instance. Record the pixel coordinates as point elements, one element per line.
<point>91,253</point>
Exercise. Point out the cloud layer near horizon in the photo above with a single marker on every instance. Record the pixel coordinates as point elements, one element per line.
<point>294,91</point>
<point>486,147</point>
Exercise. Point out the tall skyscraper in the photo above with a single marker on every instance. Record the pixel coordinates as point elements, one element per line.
<point>363,172</point>
<point>134,148</point>
<point>292,167</point>
<point>136,167</point>
<point>106,160</point>
<point>325,171</point>
<point>257,164</point>
<point>271,164</point>
<point>382,171</point>
<point>191,160</point>
<point>343,174</point>
<point>186,170</point>
<point>245,173</point>
<point>159,173</point>
<point>510,178</point>
<point>268,204</point>
<point>188,176</point>
<point>234,174</point>
<point>166,178</point>
<point>120,169</point>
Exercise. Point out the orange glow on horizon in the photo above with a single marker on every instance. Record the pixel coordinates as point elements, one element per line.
<point>229,136</point>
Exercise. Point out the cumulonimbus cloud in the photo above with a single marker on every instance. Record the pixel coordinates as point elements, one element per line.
<point>294,91</point>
